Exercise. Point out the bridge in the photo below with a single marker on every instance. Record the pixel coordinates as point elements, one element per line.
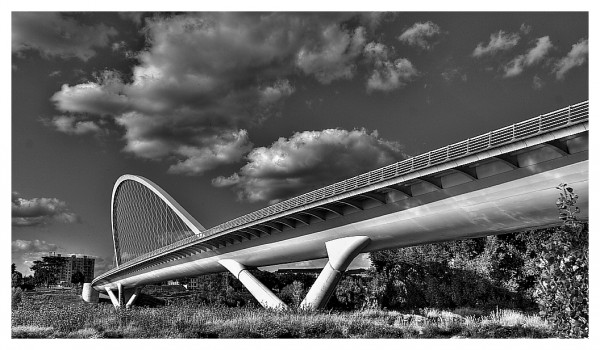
<point>499,182</point>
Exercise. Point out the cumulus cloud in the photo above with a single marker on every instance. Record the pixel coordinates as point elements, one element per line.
<point>220,149</point>
<point>420,34</point>
<point>576,57</point>
<point>57,35</point>
<point>135,17</point>
<point>308,160</point>
<point>206,78</point>
<point>452,74</point>
<point>372,20</point>
<point>538,83</point>
<point>102,264</point>
<point>118,46</point>
<point>533,56</point>
<point>40,211</point>
<point>24,253</point>
<point>499,41</point>
<point>387,75</point>
<point>334,57</point>
<point>525,28</point>
<point>70,125</point>
<point>36,246</point>
<point>104,96</point>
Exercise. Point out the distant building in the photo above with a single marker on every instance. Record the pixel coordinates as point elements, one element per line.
<point>71,265</point>
<point>307,271</point>
<point>194,283</point>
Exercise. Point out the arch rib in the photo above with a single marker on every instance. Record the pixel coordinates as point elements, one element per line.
<point>132,198</point>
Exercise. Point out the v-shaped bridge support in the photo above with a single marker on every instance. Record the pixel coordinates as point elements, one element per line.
<point>264,296</point>
<point>341,252</point>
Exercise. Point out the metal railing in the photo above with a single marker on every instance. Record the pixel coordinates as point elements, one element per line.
<point>563,117</point>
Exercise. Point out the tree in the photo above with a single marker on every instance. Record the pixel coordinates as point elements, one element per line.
<point>46,270</point>
<point>16,276</point>
<point>562,291</point>
<point>351,293</point>
<point>293,294</point>
<point>28,283</point>
<point>78,278</point>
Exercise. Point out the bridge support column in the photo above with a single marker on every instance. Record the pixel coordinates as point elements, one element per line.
<point>89,294</point>
<point>113,298</point>
<point>341,252</point>
<point>262,294</point>
<point>134,296</point>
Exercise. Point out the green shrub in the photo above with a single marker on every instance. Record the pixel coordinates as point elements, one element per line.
<point>562,264</point>
<point>293,294</point>
<point>562,290</point>
<point>16,296</point>
<point>351,293</point>
<point>32,332</point>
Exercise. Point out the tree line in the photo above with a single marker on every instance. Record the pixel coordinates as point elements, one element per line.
<point>45,273</point>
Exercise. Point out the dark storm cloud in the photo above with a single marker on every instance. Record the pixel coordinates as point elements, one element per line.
<point>307,160</point>
<point>54,34</point>
<point>205,78</point>
<point>40,211</point>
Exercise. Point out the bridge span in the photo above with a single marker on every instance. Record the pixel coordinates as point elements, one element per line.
<point>499,182</point>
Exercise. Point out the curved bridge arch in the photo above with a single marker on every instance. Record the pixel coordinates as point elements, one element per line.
<point>144,217</point>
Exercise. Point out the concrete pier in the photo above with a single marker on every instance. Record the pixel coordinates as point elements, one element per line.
<point>89,294</point>
<point>262,294</point>
<point>341,252</point>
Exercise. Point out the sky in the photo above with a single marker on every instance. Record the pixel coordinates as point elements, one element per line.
<point>230,112</point>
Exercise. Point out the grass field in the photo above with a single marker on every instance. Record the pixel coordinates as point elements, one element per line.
<point>62,314</point>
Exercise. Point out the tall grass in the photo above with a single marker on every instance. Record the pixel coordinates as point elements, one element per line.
<point>47,316</point>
